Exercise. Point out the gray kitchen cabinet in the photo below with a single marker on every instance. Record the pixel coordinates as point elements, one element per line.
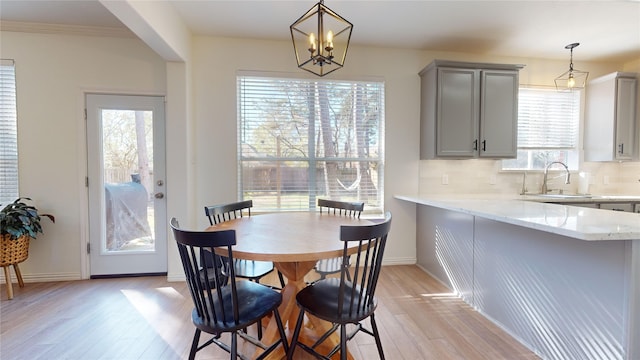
<point>627,207</point>
<point>469,110</point>
<point>610,120</point>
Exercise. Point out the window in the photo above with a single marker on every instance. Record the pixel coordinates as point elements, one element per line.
<point>301,139</point>
<point>548,129</point>
<point>8,133</point>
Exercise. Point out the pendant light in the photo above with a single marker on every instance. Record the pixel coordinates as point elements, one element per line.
<point>571,79</point>
<point>320,40</point>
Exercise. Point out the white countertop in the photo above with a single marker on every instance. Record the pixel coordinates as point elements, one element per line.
<point>577,199</point>
<point>576,222</point>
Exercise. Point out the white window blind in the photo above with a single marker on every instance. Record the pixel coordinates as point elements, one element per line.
<point>300,139</point>
<point>548,129</point>
<point>8,133</point>
<point>548,119</point>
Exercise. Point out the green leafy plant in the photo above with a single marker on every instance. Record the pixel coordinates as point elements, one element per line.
<point>19,218</point>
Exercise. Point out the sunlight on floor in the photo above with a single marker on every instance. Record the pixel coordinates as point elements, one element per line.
<point>157,317</point>
<point>441,295</point>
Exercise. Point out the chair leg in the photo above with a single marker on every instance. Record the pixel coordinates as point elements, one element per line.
<point>259,325</point>
<point>376,335</point>
<point>194,345</point>
<point>343,342</point>
<point>281,279</point>
<point>296,333</point>
<point>234,345</point>
<point>7,279</point>
<point>18,275</point>
<point>283,335</point>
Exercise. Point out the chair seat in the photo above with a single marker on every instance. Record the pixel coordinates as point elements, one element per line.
<point>254,302</point>
<point>252,269</point>
<point>321,300</point>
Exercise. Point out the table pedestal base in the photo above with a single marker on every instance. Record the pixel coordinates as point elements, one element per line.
<point>313,328</point>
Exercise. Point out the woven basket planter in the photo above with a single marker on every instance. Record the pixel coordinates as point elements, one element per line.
<point>13,251</point>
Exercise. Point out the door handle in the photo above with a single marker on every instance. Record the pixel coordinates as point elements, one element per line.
<point>159,195</point>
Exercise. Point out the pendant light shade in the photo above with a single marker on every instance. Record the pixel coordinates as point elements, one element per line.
<point>320,40</point>
<point>572,78</point>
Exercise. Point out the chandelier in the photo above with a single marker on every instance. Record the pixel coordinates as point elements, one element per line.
<point>320,40</point>
<point>571,79</point>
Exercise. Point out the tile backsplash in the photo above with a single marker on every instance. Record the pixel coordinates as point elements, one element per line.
<point>478,176</point>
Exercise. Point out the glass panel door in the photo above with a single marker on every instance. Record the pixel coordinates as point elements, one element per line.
<point>126,184</point>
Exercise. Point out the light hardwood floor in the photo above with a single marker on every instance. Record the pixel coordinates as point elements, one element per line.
<point>149,318</point>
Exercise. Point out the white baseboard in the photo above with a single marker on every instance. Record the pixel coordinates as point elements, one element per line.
<point>178,276</point>
<point>399,261</point>
<point>34,278</point>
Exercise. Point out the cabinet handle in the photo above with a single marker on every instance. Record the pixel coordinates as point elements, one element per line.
<point>621,149</point>
<point>475,145</point>
<point>484,145</point>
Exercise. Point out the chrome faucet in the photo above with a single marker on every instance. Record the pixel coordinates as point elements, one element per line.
<point>546,170</point>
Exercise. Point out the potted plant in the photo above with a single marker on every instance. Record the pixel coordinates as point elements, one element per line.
<point>19,223</point>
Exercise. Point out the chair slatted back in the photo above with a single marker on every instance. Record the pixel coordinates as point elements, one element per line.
<point>371,240</point>
<point>221,213</point>
<point>226,212</point>
<point>341,207</point>
<point>209,300</point>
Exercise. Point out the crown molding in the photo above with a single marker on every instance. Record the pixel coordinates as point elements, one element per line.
<point>44,28</point>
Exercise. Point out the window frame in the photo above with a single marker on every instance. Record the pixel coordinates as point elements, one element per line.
<point>571,156</point>
<point>315,158</point>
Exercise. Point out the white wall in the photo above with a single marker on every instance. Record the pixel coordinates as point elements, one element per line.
<point>52,74</point>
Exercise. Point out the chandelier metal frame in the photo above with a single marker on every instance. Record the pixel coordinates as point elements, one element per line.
<point>320,40</point>
<point>571,79</point>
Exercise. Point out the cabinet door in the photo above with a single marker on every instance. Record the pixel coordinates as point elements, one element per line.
<point>610,118</point>
<point>457,112</point>
<point>625,118</point>
<point>617,207</point>
<point>499,114</point>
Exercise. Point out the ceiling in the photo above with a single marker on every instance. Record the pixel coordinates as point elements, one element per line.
<point>606,30</point>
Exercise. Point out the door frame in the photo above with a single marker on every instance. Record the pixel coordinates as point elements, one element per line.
<point>83,165</point>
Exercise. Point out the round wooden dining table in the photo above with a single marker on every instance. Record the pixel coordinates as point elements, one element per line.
<point>294,242</point>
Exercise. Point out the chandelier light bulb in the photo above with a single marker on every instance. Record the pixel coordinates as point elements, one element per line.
<point>328,47</point>
<point>312,41</point>
<point>571,82</point>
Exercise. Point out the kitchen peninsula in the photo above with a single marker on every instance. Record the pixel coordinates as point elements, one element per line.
<point>564,280</point>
